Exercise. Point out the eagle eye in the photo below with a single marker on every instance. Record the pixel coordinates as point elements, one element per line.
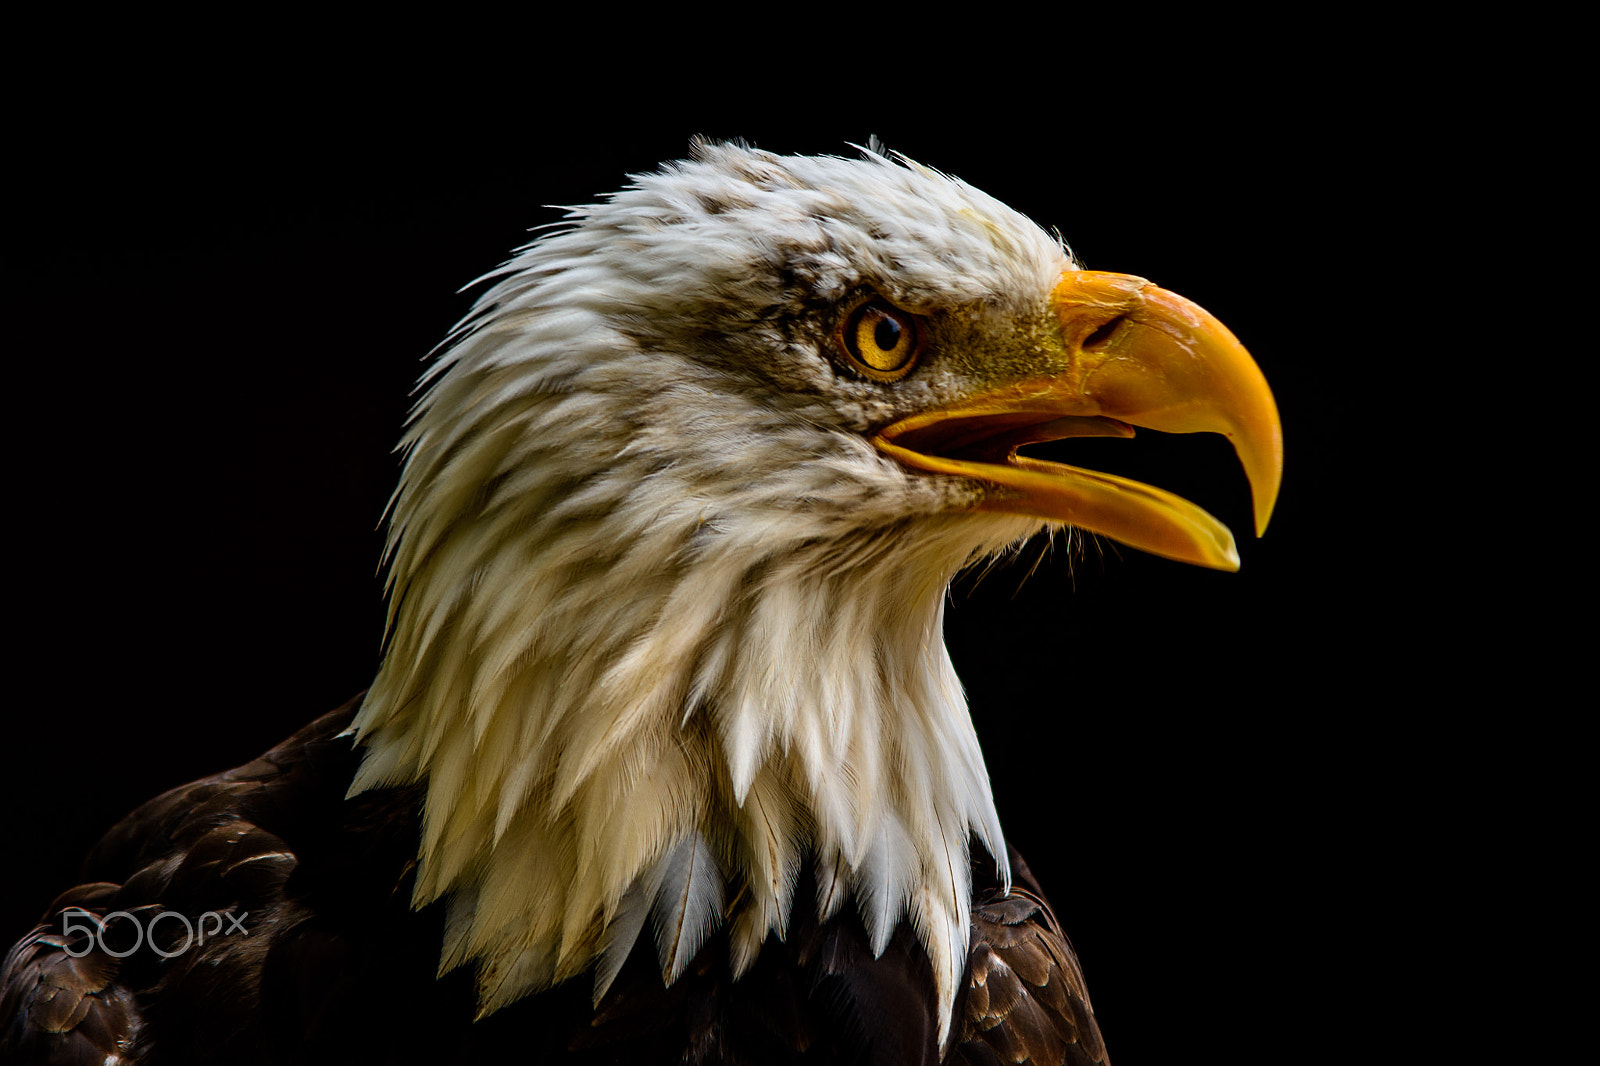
<point>879,340</point>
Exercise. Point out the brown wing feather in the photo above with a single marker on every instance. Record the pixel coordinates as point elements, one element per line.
<point>1025,1000</point>
<point>175,879</point>
<point>62,1001</point>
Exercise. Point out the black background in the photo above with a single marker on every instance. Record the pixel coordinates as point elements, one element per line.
<point>230,281</point>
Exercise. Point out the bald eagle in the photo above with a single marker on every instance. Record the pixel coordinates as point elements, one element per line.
<point>665,759</point>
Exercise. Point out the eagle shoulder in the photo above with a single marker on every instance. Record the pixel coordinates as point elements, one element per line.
<point>1025,999</point>
<point>64,1004</point>
<point>197,930</point>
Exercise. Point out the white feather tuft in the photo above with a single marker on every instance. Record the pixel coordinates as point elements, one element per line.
<point>884,879</point>
<point>688,903</point>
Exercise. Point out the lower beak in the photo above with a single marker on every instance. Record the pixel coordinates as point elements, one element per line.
<point>1132,355</point>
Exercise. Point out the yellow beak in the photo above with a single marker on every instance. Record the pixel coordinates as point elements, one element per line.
<point>1131,354</point>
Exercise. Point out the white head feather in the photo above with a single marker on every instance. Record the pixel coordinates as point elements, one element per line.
<point>664,626</point>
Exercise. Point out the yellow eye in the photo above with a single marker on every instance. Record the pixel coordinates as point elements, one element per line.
<point>881,341</point>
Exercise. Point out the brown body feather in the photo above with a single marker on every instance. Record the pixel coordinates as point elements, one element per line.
<point>334,965</point>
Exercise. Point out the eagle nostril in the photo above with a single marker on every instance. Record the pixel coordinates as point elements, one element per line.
<point>1103,333</point>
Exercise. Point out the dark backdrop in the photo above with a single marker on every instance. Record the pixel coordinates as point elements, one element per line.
<point>227,293</point>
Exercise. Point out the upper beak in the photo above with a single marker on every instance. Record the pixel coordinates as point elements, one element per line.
<point>1131,354</point>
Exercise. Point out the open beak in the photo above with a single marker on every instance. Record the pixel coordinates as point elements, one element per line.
<point>1132,355</point>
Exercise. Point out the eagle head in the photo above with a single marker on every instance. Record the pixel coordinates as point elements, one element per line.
<point>668,556</point>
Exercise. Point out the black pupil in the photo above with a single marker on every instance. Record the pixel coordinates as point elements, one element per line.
<point>886,334</point>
